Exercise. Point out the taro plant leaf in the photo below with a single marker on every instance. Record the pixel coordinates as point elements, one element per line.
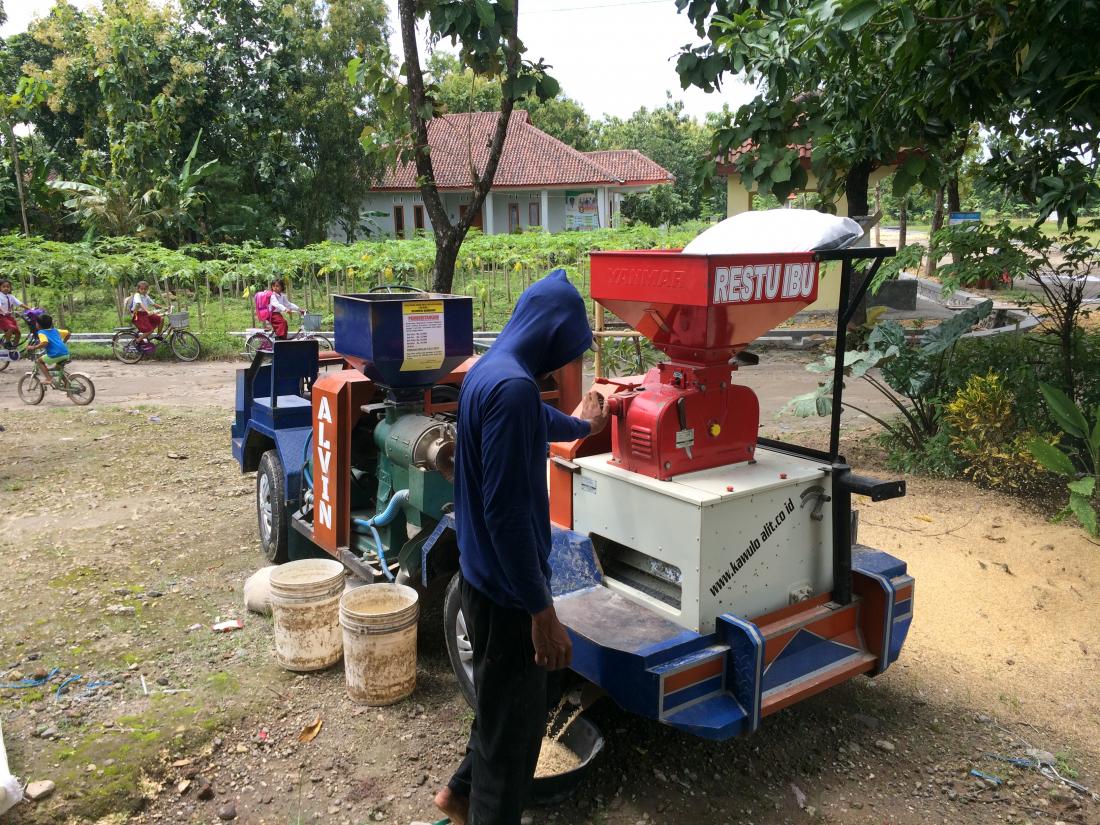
<point>1051,457</point>
<point>1081,507</point>
<point>1094,439</point>
<point>1065,412</point>
<point>1083,486</point>
<point>818,402</point>
<point>943,336</point>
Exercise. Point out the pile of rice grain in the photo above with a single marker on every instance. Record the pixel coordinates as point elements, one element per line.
<point>555,758</point>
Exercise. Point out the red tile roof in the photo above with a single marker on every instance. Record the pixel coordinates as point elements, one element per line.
<point>630,165</point>
<point>530,157</point>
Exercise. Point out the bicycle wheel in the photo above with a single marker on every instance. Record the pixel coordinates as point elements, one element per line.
<point>257,342</point>
<point>126,349</point>
<point>323,343</point>
<point>185,346</point>
<point>31,389</point>
<point>81,390</point>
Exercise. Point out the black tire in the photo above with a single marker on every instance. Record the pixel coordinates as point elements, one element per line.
<point>31,388</point>
<point>323,343</point>
<point>81,390</point>
<point>271,511</point>
<point>185,346</point>
<point>255,342</point>
<point>459,646</point>
<point>125,349</point>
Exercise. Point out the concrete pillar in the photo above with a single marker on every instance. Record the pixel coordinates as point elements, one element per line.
<point>601,205</point>
<point>488,228</point>
<point>544,210</point>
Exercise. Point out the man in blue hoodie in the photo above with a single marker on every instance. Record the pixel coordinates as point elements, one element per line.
<point>503,520</point>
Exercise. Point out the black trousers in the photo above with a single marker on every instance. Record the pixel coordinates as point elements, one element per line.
<point>510,716</point>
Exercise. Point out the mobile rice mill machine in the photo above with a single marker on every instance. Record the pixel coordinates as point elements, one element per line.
<point>708,577</point>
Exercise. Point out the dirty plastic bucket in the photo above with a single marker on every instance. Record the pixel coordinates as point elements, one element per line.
<point>305,603</point>
<point>379,622</point>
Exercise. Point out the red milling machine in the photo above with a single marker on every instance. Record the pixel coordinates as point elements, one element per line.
<point>702,311</point>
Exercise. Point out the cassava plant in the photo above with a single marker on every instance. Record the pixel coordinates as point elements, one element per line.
<point>1079,463</point>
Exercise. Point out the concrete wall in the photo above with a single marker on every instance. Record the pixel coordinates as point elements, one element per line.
<point>550,205</point>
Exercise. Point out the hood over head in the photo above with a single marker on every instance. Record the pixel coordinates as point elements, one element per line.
<point>549,326</point>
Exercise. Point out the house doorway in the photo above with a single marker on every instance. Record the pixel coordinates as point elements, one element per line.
<point>418,217</point>
<point>534,214</point>
<point>513,219</point>
<point>399,221</point>
<point>463,208</point>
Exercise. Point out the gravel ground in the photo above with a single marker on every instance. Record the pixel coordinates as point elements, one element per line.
<point>120,558</point>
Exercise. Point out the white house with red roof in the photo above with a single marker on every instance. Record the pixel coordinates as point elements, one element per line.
<point>540,181</point>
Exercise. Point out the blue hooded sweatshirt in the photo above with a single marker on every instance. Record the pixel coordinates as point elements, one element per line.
<point>502,508</point>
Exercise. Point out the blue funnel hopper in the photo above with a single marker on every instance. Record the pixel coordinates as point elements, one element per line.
<point>409,340</point>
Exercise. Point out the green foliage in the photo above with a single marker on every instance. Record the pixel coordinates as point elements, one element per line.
<point>132,83</point>
<point>861,80</point>
<point>660,206</point>
<point>910,375</point>
<point>627,356</point>
<point>991,440</point>
<point>1080,462</point>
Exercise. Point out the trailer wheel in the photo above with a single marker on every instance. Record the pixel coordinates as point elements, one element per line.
<point>271,507</point>
<point>460,647</point>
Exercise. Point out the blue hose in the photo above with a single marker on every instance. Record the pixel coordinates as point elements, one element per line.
<point>381,520</point>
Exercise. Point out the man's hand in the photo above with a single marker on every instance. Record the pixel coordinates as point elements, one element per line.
<point>594,411</point>
<point>553,647</point>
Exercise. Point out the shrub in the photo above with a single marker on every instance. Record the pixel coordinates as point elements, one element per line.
<point>986,435</point>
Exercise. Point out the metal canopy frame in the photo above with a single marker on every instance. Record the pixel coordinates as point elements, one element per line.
<point>845,482</point>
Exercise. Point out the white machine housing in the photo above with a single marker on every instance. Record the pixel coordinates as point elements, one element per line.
<point>746,539</point>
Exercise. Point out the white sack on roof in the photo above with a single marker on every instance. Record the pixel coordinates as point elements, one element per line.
<point>776,230</point>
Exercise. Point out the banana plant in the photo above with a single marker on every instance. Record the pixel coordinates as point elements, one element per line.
<point>1080,463</point>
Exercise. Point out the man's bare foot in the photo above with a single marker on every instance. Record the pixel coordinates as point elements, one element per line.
<point>454,806</point>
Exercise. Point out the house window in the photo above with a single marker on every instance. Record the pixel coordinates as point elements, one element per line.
<point>534,214</point>
<point>513,218</point>
<point>418,217</point>
<point>399,221</point>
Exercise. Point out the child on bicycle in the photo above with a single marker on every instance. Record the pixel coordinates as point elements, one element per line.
<point>53,341</point>
<point>279,304</point>
<point>9,329</point>
<point>141,308</point>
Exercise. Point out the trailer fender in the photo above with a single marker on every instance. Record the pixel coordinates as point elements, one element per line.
<point>291,444</point>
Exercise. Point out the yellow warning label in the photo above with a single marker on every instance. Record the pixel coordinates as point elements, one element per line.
<point>424,335</point>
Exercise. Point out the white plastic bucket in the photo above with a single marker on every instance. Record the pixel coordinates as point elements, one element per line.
<point>305,603</point>
<point>379,622</point>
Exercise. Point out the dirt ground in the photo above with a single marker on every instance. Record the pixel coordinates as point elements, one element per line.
<point>120,558</point>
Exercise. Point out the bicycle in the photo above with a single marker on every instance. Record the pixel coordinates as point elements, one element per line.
<point>18,350</point>
<point>262,340</point>
<point>76,385</point>
<point>184,344</point>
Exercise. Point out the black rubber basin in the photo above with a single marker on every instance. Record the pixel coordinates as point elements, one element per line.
<point>585,740</point>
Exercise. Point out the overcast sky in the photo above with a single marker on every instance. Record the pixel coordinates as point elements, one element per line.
<point>611,55</point>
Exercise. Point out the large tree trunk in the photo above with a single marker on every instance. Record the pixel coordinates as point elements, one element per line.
<point>937,225</point>
<point>856,186</point>
<point>446,256</point>
<point>448,236</point>
<point>903,221</point>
